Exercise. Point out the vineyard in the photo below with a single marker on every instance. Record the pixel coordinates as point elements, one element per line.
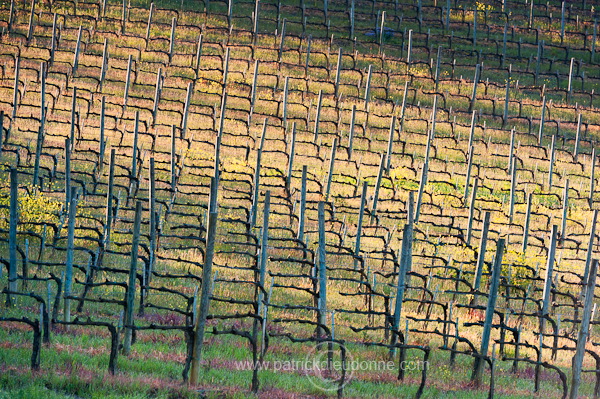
<point>187,187</point>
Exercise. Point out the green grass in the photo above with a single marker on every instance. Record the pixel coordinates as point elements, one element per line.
<point>75,364</point>
<point>70,368</point>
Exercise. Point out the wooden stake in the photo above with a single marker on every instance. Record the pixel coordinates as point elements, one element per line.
<point>548,280</point>
<point>153,223</point>
<point>542,119</point>
<point>285,102</point>
<point>405,267</point>
<point>253,93</point>
<point>226,68</point>
<point>150,15</point>
<point>102,137</point>
<point>565,204</point>
<point>127,80</point>
<point>186,110</point>
<point>123,17</point>
<point>16,91</point>
<point>134,155</point>
<point>471,155</point>
<point>592,177</point>
<point>590,248</point>
<point>76,55</point>
<point>527,222</point>
<point>377,186</point>
<point>552,157</point>
<point>130,293</point>
<point>409,51</point>
<point>359,226</point>
<point>70,255</point>
<point>12,234</point>
<point>173,159</point>
<point>472,211</point>
<point>562,22</point>
<point>67,174</point>
<point>351,132</point>
<point>256,184</point>
<point>302,212</point>
<point>172,39</point>
<point>481,253</point>
<point>584,332</point>
<point>207,278</point>
<point>438,61</point>
<point>540,54</point>
<point>318,116</point>
<point>256,17</point>
<point>230,14</point>
<point>475,83</point>
<point>11,15</point>
<point>322,271</point>
<point>262,267</point>
<point>40,136</point>
<point>338,73</point>
<point>403,107</point>
<point>281,41</point>
<point>352,10</point>
<point>104,66</point>
<point>390,144</point>
<point>513,188</point>
<point>291,157</point>
<point>31,22</point>
<point>577,138</point>
<point>198,55</point>
<point>570,84</point>
<point>53,40</point>
<point>109,200</point>
<point>217,168</point>
<point>507,98</point>
<point>157,94</point>
<point>489,313</point>
<point>368,89</point>
<point>594,37</point>
<point>331,165</point>
<point>474,27</point>
<point>504,38</point>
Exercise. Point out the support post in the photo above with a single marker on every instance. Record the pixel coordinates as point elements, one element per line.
<point>206,287</point>
<point>405,266</point>
<point>322,272</point>
<point>302,212</point>
<point>583,335</point>
<point>130,293</point>
<point>70,256</point>
<point>12,234</point>
<point>489,313</point>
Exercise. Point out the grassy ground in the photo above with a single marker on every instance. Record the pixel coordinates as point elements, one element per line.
<point>75,363</point>
<point>75,366</point>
